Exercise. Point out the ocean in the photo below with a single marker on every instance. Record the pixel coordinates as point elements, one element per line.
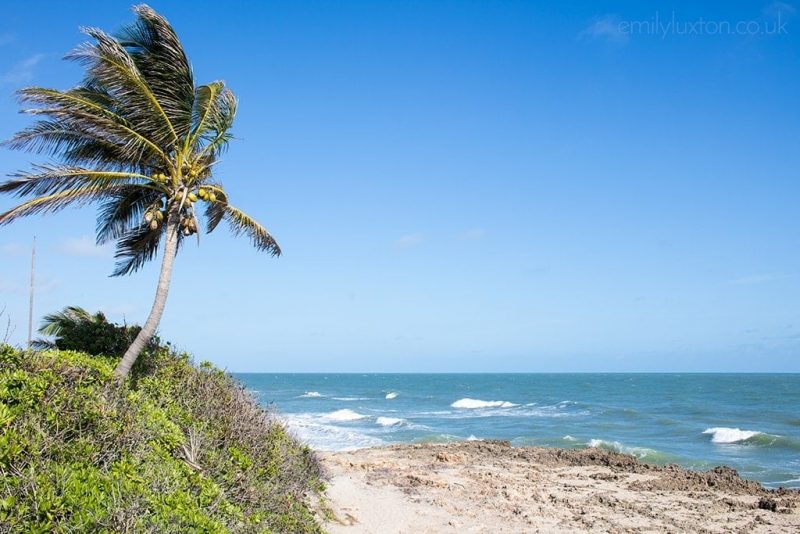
<point>750,422</point>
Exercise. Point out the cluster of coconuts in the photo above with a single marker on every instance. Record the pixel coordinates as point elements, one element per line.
<point>191,171</point>
<point>203,194</point>
<point>154,215</point>
<point>188,226</point>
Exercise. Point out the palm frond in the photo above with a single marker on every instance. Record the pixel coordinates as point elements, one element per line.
<point>55,202</point>
<point>241,223</point>
<point>123,211</point>
<point>204,102</point>
<point>53,324</point>
<point>92,110</point>
<point>110,65</point>
<point>220,119</point>
<point>43,344</point>
<point>215,211</point>
<point>136,248</point>
<point>160,58</point>
<point>49,179</point>
<point>52,137</point>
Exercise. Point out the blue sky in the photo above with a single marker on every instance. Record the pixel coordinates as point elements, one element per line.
<point>463,186</point>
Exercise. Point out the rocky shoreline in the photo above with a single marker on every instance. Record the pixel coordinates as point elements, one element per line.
<point>489,486</point>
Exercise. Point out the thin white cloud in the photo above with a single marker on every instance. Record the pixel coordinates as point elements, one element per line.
<point>474,234</point>
<point>756,279</point>
<point>606,28</point>
<point>84,247</point>
<point>42,285</point>
<point>22,71</point>
<point>409,241</point>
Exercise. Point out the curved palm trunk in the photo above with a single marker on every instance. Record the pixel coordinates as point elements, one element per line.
<point>151,325</point>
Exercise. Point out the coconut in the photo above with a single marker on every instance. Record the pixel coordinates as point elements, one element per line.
<point>160,215</point>
<point>212,197</point>
<point>153,225</point>
<point>148,216</point>
<point>192,197</point>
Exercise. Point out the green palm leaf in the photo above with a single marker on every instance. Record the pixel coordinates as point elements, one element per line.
<point>241,223</point>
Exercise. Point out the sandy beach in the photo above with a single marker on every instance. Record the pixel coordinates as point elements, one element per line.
<point>488,486</point>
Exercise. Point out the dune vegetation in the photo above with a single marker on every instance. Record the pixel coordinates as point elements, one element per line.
<point>174,448</point>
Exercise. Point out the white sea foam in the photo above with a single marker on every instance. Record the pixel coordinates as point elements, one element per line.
<point>344,415</point>
<point>391,395</point>
<point>310,395</point>
<point>729,435</point>
<point>472,404</point>
<point>616,446</point>
<point>389,421</point>
<point>311,429</point>
<point>473,438</point>
<point>569,438</point>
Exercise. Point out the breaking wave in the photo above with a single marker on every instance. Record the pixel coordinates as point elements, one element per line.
<point>472,404</point>
<point>389,421</point>
<point>730,435</point>
<point>312,430</point>
<point>344,415</point>
<point>642,453</point>
<point>751,437</point>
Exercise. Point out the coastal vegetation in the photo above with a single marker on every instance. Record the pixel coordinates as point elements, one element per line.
<point>74,328</point>
<point>140,139</point>
<point>176,448</point>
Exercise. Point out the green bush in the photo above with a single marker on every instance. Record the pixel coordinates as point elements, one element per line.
<point>178,449</point>
<point>74,328</point>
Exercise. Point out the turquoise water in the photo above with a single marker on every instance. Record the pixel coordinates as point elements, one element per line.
<point>750,422</point>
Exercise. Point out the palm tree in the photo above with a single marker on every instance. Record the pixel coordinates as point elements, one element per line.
<point>140,139</point>
<point>56,323</point>
<point>74,328</point>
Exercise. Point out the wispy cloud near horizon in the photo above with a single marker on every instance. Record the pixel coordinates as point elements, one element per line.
<point>84,247</point>
<point>43,284</point>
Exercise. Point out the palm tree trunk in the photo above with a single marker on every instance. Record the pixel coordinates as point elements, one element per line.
<point>151,325</point>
